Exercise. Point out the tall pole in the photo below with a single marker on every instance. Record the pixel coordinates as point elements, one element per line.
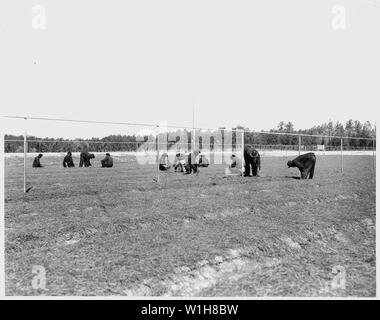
<point>194,127</point>
<point>373,153</point>
<point>158,155</point>
<point>341,154</point>
<point>299,145</point>
<point>25,147</point>
<point>373,150</point>
<point>2,210</point>
<point>242,152</point>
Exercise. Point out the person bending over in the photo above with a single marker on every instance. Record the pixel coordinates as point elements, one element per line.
<point>305,163</point>
<point>85,158</point>
<point>36,161</point>
<point>251,160</point>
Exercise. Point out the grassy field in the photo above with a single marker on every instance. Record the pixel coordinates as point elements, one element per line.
<point>117,232</point>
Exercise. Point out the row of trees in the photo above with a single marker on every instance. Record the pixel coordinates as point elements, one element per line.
<point>217,140</point>
<point>109,143</point>
<point>351,128</point>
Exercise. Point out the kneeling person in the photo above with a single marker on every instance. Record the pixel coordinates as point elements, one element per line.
<point>203,161</point>
<point>164,163</point>
<point>235,168</point>
<point>192,164</point>
<point>305,163</point>
<point>36,161</point>
<point>68,160</point>
<point>179,162</point>
<point>107,162</point>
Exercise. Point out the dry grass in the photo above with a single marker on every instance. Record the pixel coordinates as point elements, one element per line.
<point>116,232</point>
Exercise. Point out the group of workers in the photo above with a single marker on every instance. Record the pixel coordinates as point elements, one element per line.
<point>84,161</point>
<point>186,163</point>
<point>252,163</point>
<point>189,163</point>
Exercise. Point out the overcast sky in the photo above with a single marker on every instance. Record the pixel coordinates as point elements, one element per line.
<point>252,63</point>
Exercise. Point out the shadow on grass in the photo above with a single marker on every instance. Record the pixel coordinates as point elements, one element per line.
<point>293,177</point>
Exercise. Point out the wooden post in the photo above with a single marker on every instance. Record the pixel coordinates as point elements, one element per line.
<point>193,140</point>
<point>25,151</point>
<point>299,145</point>
<point>2,160</point>
<point>157,158</point>
<point>341,154</point>
<point>373,154</point>
<point>193,134</point>
<point>242,152</point>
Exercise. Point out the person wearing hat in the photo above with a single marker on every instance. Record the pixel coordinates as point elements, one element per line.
<point>252,161</point>
<point>164,163</point>
<point>107,162</point>
<point>235,168</point>
<point>203,161</point>
<point>36,161</point>
<point>85,158</point>
<point>68,160</point>
<point>179,162</point>
<point>305,163</point>
<point>192,162</point>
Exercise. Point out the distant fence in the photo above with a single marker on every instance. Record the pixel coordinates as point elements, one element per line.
<point>162,138</point>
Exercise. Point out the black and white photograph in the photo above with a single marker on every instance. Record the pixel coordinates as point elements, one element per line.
<point>172,149</point>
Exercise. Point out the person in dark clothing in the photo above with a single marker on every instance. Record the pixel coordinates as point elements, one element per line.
<point>305,163</point>
<point>36,161</point>
<point>85,158</point>
<point>164,163</point>
<point>107,162</point>
<point>251,159</point>
<point>192,164</point>
<point>68,160</point>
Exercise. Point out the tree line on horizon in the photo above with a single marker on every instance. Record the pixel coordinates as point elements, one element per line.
<point>351,128</point>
